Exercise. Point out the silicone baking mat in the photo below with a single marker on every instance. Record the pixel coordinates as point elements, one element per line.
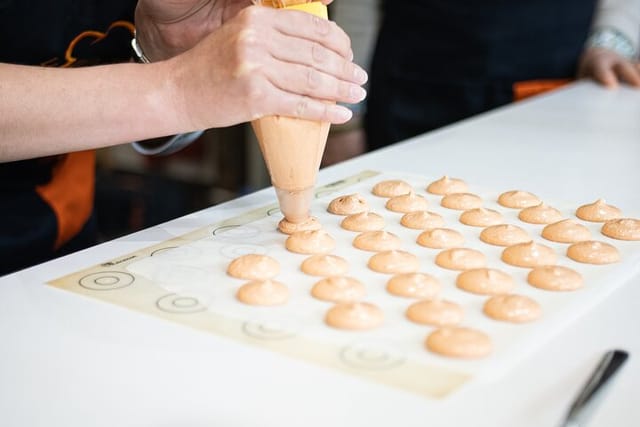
<point>184,280</point>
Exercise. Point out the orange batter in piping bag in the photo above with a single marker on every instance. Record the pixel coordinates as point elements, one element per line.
<point>292,148</point>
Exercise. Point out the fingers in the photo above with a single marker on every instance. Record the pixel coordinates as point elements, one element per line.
<point>304,25</point>
<point>290,49</point>
<point>308,81</point>
<point>609,68</point>
<point>628,72</point>
<point>309,68</point>
<point>293,105</point>
<point>602,71</point>
<point>277,99</point>
<point>289,63</point>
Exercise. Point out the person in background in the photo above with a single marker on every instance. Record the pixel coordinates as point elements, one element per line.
<point>67,87</point>
<point>360,19</point>
<point>437,62</point>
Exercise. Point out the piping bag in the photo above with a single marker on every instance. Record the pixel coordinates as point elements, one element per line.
<point>292,148</point>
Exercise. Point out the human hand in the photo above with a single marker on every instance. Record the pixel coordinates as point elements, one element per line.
<point>608,68</point>
<point>265,61</point>
<point>167,28</point>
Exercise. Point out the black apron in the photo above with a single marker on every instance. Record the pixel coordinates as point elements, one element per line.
<point>63,33</point>
<point>439,61</point>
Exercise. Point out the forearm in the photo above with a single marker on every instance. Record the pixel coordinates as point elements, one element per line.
<point>262,62</point>
<point>621,15</point>
<point>45,111</point>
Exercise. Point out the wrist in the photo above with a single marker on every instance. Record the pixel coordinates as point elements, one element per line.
<point>183,93</point>
<point>169,90</point>
<point>612,40</point>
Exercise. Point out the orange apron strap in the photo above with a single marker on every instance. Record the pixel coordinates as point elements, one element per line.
<point>525,89</point>
<point>70,193</point>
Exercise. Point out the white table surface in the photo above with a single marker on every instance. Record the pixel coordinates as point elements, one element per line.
<point>67,360</point>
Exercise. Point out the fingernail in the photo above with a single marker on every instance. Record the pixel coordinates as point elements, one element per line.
<point>356,93</point>
<point>360,75</point>
<point>340,114</point>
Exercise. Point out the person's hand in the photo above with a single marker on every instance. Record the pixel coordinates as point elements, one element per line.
<point>167,28</point>
<point>608,68</point>
<point>266,61</point>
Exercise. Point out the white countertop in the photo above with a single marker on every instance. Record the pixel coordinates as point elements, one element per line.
<point>70,361</point>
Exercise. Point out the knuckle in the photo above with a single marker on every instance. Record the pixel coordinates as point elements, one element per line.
<point>249,15</point>
<point>302,106</point>
<point>318,53</point>
<point>322,26</point>
<point>340,34</point>
<point>324,113</point>
<point>313,78</point>
<point>333,27</point>
<point>245,56</point>
<point>348,69</point>
<point>343,91</point>
<point>246,41</point>
<point>243,67</point>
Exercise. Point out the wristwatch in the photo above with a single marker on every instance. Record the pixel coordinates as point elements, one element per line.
<point>164,146</point>
<point>138,54</point>
<point>611,39</point>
